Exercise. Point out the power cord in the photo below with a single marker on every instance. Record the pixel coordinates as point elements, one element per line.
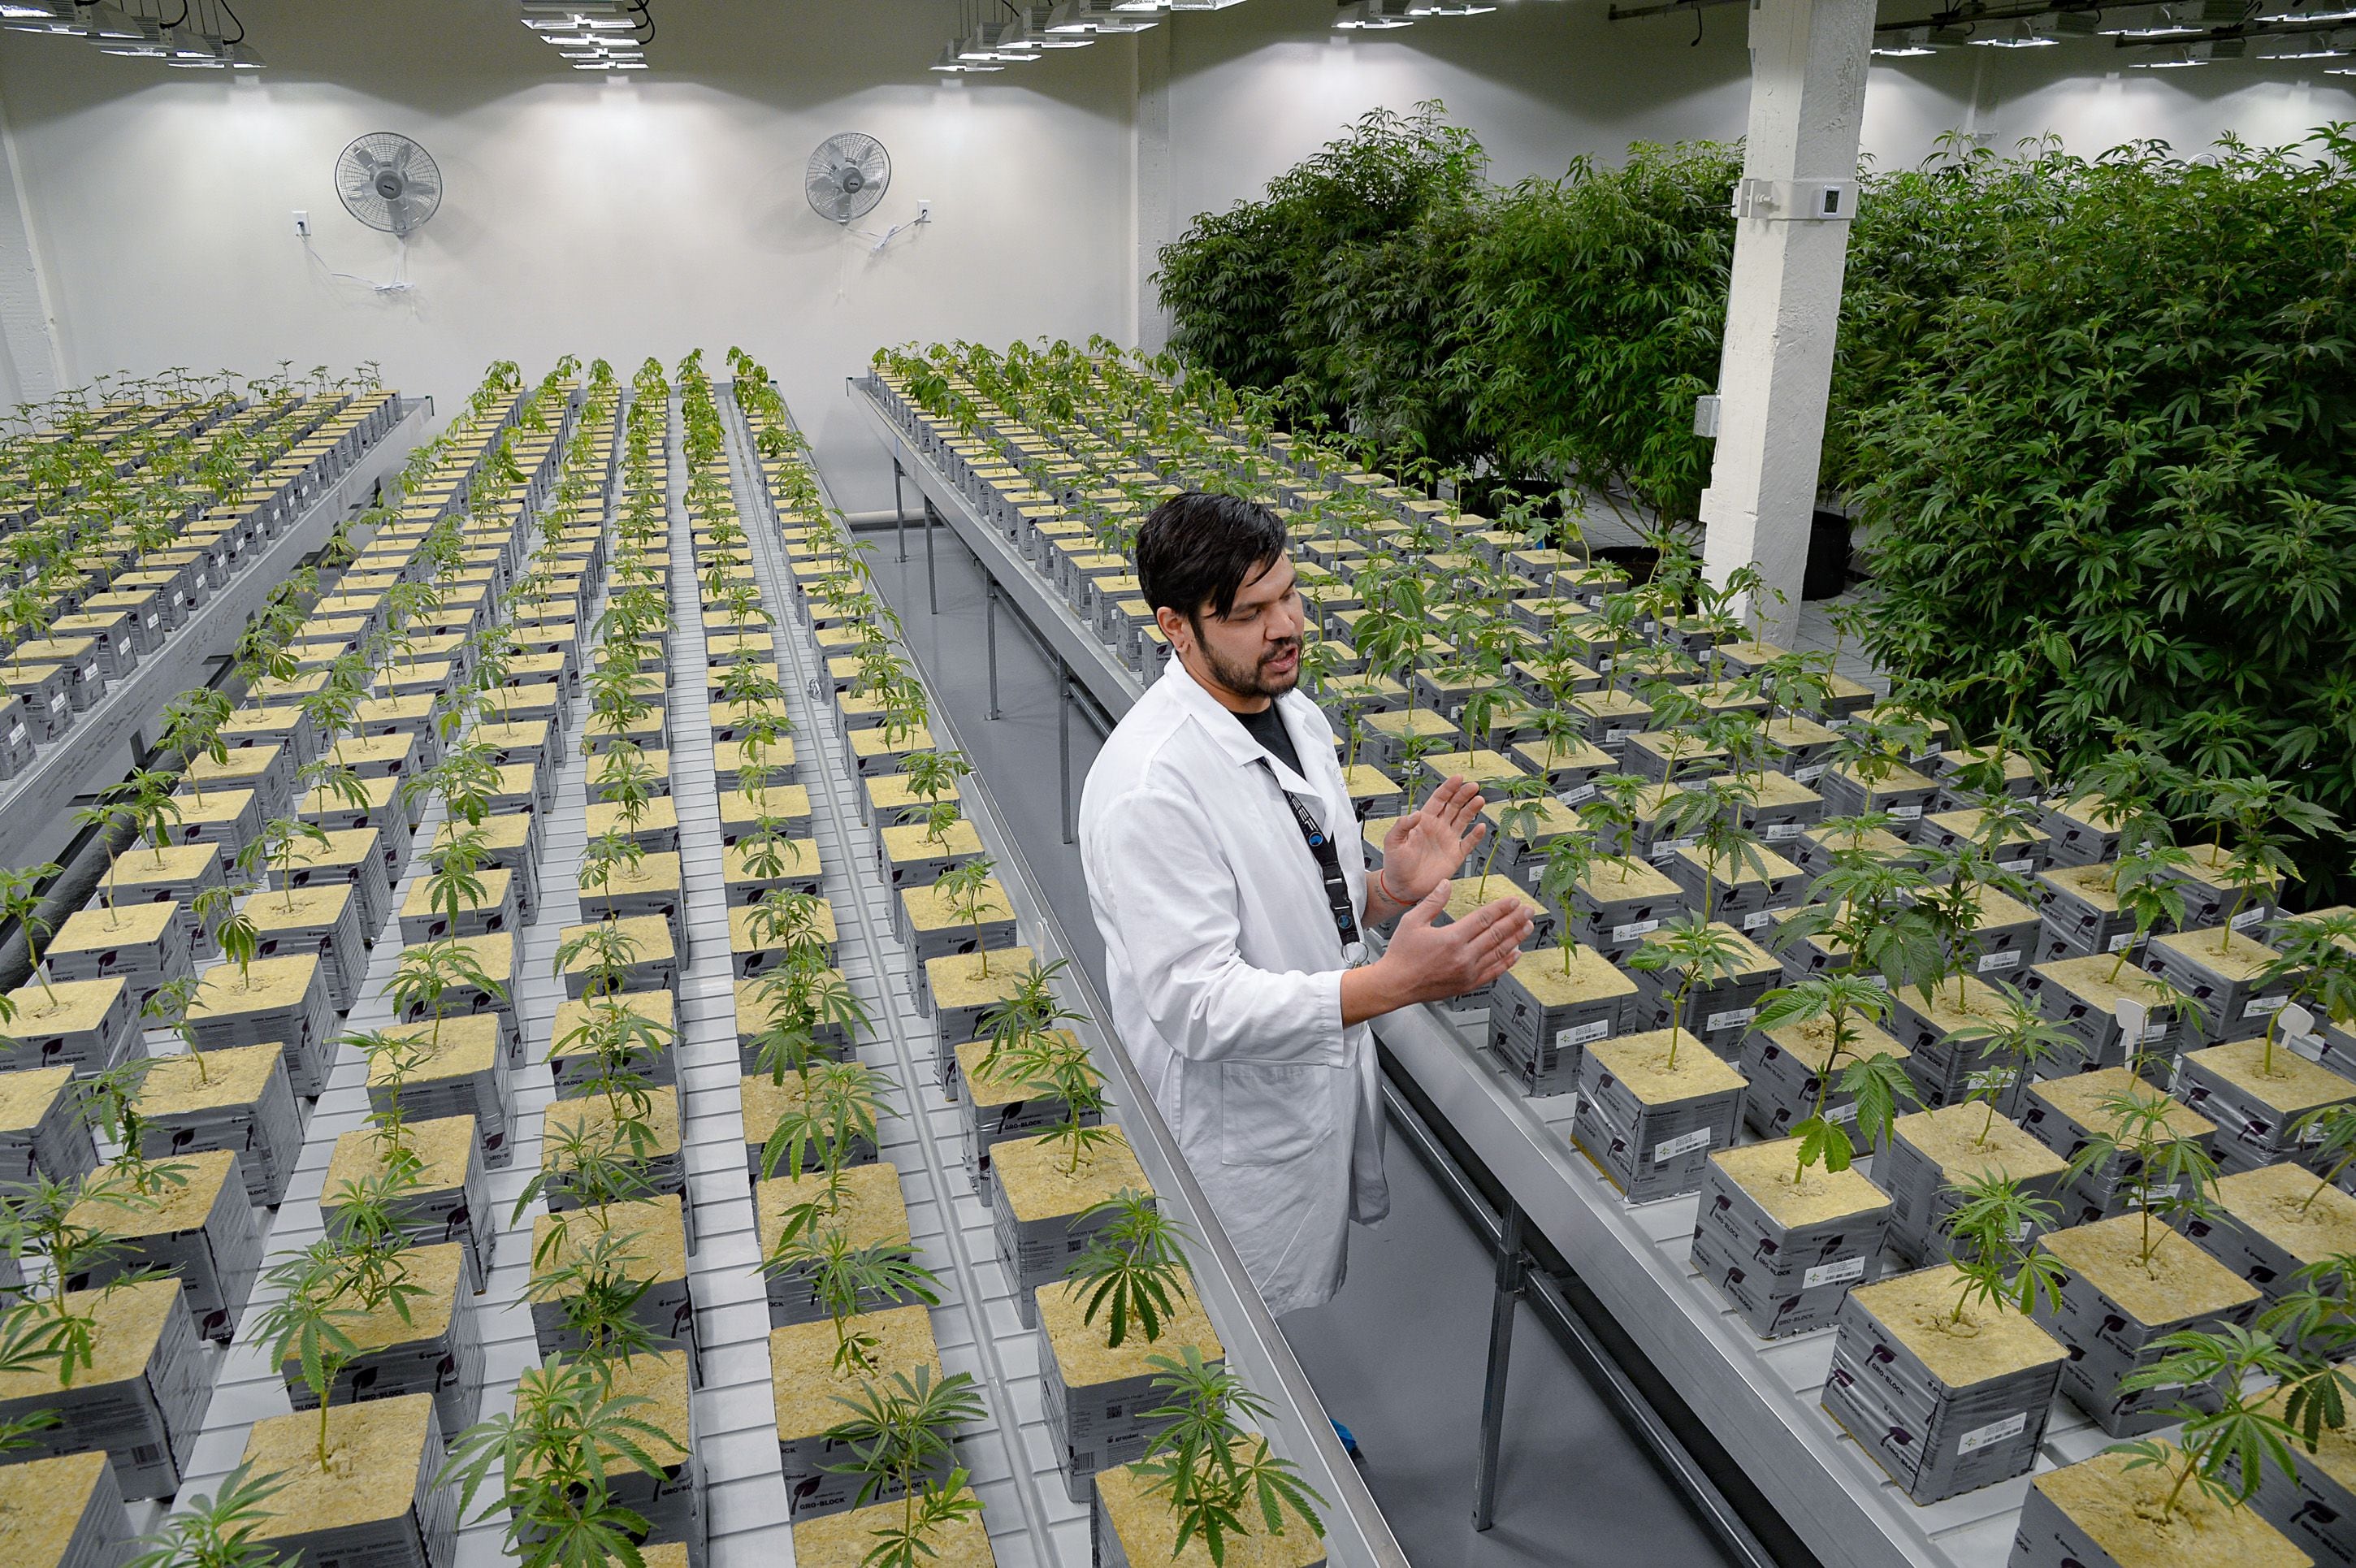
<point>890,234</point>
<point>398,283</point>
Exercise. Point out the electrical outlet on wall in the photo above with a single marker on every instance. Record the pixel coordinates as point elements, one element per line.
<point>302,224</point>
<point>924,209</point>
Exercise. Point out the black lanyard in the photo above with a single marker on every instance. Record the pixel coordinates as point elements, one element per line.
<point>1329,867</point>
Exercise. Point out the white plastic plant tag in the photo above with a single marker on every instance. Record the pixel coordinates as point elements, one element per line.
<point>1810,774</point>
<point>2248,918</point>
<point>1581,1034</point>
<point>1907,813</point>
<point>2018,867</point>
<point>1992,1078</point>
<point>1990,962</point>
<point>1979,1437</point>
<point>1699,1138</point>
<point>1729,1019</point>
<point>1782,832</point>
<point>1574,795</point>
<point>1839,1272</point>
<point>1614,736</point>
<point>2133,1016</point>
<point>1633,929</point>
<point>2295,1019</point>
<point>1844,1113</point>
<point>2152,1034</point>
<point>2260,1006</point>
<point>1758,918</point>
<point>2121,942</point>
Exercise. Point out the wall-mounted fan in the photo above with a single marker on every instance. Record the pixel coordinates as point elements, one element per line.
<point>388,182</point>
<point>847,177</point>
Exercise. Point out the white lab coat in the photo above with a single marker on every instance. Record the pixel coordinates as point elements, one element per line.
<point>1225,974</point>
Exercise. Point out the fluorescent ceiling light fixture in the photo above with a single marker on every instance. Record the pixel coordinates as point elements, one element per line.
<point>1039,30</point>
<point>952,63</point>
<point>2319,13</point>
<point>2196,54</point>
<point>1375,16</point>
<point>16,10</point>
<point>1098,16</point>
<point>1448,8</point>
<point>2159,21</point>
<point>1904,45</point>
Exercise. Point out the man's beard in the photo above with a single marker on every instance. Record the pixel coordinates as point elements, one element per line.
<point>1251,681</point>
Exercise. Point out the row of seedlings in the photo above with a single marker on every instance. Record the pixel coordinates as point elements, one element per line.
<point>123,519</point>
<point>612,1313</point>
<point>2099,1063</point>
<point>155,1250</point>
<point>374,1325</point>
<point>1150,1427</point>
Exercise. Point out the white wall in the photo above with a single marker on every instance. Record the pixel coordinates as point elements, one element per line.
<point>1255,89</point>
<point>618,219</point>
<point>654,216</point>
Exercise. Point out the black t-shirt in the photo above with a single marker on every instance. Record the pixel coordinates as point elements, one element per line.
<point>1267,726</point>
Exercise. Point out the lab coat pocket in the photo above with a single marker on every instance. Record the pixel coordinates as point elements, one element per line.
<point>1270,1113</point>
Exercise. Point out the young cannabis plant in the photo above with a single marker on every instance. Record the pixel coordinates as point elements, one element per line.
<point>1209,1470</point>
<point>1134,1262</point>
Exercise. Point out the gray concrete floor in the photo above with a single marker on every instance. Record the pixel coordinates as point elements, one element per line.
<point>1400,1355</point>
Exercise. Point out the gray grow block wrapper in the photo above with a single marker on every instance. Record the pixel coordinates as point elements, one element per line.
<point>1930,1150</point>
<point>2113,1313</point>
<point>874,1214</point>
<point>2316,1511</point>
<point>1785,1070</point>
<point>658,1245</point>
<point>2076,905</point>
<point>1034,1211</point>
<point>2269,1224</point>
<point>41,1129</point>
<point>1785,1254</point>
<point>452,1201</point>
<point>1648,1125</point>
<point>1619,903</point>
<point>2082,997</point>
<point>65,1512</point>
<point>437,1351</point>
<point>145,1403</point>
<point>805,1390</point>
<point>1946,1065</point>
<point>991,1111</point>
<point>204,1233</point>
<point>1100,1398</point>
<point>239,1099</point>
<point>2257,1105</point>
<point>2221,983</point>
<point>2090,1515</point>
<point>146,945</point>
<point>395,1517</point>
<point>280,1001</point>
<point>1548,1008</point>
<point>89,1025</point>
<point>1941,1413</point>
<point>1720,1011</point>
<point>2066,1113</point>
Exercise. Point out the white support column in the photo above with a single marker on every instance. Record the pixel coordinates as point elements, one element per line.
<point>1808,64</point>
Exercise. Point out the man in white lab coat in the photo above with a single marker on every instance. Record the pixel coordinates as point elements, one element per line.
<point>1229,881</point>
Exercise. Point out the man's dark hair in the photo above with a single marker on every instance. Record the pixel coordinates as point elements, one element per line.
<point>1197,549</point>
